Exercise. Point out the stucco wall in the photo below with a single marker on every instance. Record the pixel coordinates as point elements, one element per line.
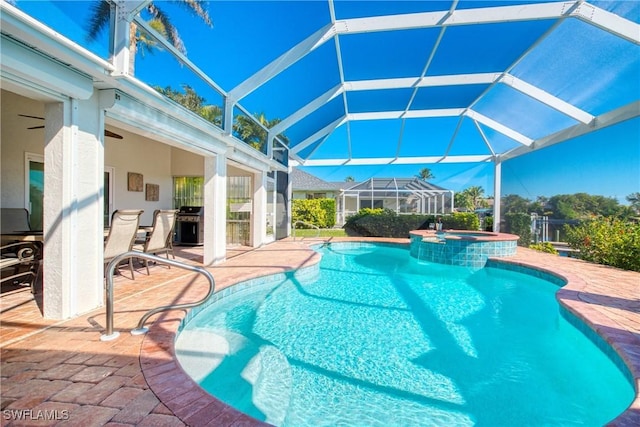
<point>141,155</point>
<point>15,141</point>
<point>133,153</point>
<point>184,163</point>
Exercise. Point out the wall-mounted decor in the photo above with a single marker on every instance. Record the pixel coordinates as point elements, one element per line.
<point>152,193</point>
<point>134,181</point>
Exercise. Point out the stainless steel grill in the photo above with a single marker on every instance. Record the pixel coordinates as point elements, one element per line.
<point>190,225</point>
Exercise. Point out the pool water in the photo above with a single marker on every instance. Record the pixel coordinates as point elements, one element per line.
<point>379,339</point>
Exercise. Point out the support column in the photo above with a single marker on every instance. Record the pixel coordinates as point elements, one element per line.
<point>215,209</point>
<point>290,200</point>
<point>73,208</point>
<point>497,182</point>
<point>259,210</point>
<point>120,49</point>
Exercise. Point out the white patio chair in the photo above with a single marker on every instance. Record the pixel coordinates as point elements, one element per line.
<point>122,235</point>
<point>159,239</point>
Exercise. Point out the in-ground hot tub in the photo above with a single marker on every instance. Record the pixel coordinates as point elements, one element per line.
<point>461,247</point>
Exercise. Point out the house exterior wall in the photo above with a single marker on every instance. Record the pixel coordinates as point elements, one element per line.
<point>184,163</point>
<point>15,141</point>
<point>298,194</point>
<point>150,159</point>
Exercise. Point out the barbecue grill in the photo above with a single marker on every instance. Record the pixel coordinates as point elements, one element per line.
<point>190,225</point>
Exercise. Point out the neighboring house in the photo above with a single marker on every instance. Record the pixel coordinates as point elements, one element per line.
<point>307,186</point>
<point>404,195</point>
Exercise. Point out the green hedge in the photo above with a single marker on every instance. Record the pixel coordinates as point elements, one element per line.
<point>319,212</point>
<point>387,223</point>
<point>520,224</point>
<point>544,247</point>
<point>607,241</point>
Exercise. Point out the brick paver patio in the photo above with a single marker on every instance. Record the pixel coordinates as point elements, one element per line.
<point>61,369</point>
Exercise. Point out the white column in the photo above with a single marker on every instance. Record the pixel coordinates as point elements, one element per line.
<point>215,209</point>
<point>289,200</point>
<point>497,179</point>
<point>73,208</point>
<point>259,210</point>
<point>122,38</point>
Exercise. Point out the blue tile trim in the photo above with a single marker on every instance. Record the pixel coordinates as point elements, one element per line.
<point>545,275</point>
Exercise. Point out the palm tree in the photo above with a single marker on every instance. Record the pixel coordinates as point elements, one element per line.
<point>425,174</point>
<point>349,179</point>
<point>139,39</point>
<point>250,131</point>
<point>476,194</point>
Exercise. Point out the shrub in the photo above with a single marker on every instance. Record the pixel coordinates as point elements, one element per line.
<point>461,221</point>
<point>520,224</point>
<point>488,223</point>
<point>387,223</point>
<point>312,211</point>
<point>329,206</point>
<point>544,247</point>
<point>607,241</point>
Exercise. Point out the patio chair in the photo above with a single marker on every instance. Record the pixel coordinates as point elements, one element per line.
<point>122,235</point>
<point>19,263</point>
<point>159,240</point>
<point>14,219</point>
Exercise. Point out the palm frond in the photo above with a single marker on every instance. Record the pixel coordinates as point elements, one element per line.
<point>195,6</point>
<point>170,31</point>
<point>100,17</point>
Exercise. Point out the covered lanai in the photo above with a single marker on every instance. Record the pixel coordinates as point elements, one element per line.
<point>253,88</point>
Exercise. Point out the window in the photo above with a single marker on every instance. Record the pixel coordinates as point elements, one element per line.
<point>188,191</point>
<point>367,203</point>
<point>34,188</point>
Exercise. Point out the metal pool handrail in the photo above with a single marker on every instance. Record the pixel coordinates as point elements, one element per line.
<point>140,329</point>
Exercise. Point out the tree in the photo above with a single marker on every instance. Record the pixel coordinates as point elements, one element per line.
<point>250,130</point>
<point>634,199</point>
<point>194,102</point>
<point>463,201</point>
<point>425,174</point>
<point>158,20</point>
<point>476,194</point>
<point>514,203</point>
<point>349,179</point>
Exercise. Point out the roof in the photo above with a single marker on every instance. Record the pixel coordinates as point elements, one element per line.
<point>395,82</point>
<point>400,184</point>
<point>304,181</point>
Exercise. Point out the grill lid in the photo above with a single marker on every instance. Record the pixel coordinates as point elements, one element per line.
<point>192,210</point>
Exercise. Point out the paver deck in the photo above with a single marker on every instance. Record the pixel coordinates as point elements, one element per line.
<point>61,369</point>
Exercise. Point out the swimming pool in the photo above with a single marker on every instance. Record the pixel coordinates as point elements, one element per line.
<point>377,338</point>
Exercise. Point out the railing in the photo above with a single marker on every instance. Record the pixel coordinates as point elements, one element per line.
<point>140,329</point>
<point>307,224</point>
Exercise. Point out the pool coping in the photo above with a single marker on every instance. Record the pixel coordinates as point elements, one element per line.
<point>174,388</point>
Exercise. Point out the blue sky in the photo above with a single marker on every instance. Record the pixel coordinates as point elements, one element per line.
<point>249,34</point>
<point>606,162</point>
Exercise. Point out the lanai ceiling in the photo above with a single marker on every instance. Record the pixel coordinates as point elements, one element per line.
<point>379,82</point>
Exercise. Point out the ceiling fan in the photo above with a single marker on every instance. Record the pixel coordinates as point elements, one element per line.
<point>106,132</point>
